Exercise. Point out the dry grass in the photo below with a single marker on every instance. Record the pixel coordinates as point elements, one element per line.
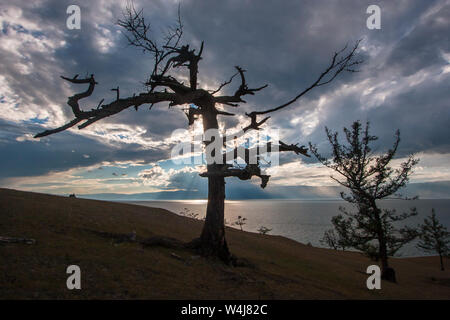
<point>284,269</point>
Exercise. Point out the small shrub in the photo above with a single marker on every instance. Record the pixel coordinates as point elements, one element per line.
<point>240,222</point>
<point>264,230</point>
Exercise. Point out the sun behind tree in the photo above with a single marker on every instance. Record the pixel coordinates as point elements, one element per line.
<point>170,55</point>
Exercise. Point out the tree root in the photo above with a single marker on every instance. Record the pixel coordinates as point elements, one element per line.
<point>194,245</point>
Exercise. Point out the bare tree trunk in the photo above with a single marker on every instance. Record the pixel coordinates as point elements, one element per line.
<point>387,273</point>
<point>212,240</point>
<point>442,262</point>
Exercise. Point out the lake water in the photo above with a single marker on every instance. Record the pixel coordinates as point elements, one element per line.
<point>303,220</point>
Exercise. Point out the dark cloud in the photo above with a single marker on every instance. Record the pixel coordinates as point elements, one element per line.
<point>424,45</point>
<point>283,44</point>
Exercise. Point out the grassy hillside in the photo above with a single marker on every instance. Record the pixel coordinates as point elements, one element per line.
<point>64,229</point>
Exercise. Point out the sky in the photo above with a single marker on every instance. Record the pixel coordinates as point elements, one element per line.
<point>402,84</point>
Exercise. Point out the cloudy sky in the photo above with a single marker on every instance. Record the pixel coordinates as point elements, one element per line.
<point>403,83</point>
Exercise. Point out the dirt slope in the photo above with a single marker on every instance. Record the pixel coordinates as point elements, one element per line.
<point>65,231</point>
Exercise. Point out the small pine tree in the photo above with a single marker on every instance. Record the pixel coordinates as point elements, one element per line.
<point>369,178</point>
<point>434,237</point>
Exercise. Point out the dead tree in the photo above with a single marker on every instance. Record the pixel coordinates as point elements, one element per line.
<point>170,59</point>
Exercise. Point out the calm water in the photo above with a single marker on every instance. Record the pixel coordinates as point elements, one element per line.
<point>302,220</point>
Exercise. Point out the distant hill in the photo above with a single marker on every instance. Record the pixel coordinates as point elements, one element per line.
<point>434,190</point>
<point>79,231</point>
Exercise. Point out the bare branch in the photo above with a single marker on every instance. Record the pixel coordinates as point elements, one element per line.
<point>169,82</point>
<point>62,128</point>
<point>336,67</point>
<point>186,58</point>
<point>294,148</point>
<point>244,174</point>
<point>103,111</point>
<point>241,91</point>
<point>73,100</point>
<point>252,152</point>
<point>213,92</point>
<point>118,93</point>
<point>137,32</point>
<point>254,125</point>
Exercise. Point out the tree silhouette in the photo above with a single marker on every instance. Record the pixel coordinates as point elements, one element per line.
<point>434,237</point>
<point>264,230</point>
<point>240,221</point>
<point>369,179</point>
<point>164,85</point>
<point>333,240</point>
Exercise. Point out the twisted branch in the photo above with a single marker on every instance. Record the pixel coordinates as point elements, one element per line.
<point>241,91</point>
<point>243,174</point>
<point>336,67</point>
<point>103,111</point>
<point>222,85</point>
<point>138,35</point>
